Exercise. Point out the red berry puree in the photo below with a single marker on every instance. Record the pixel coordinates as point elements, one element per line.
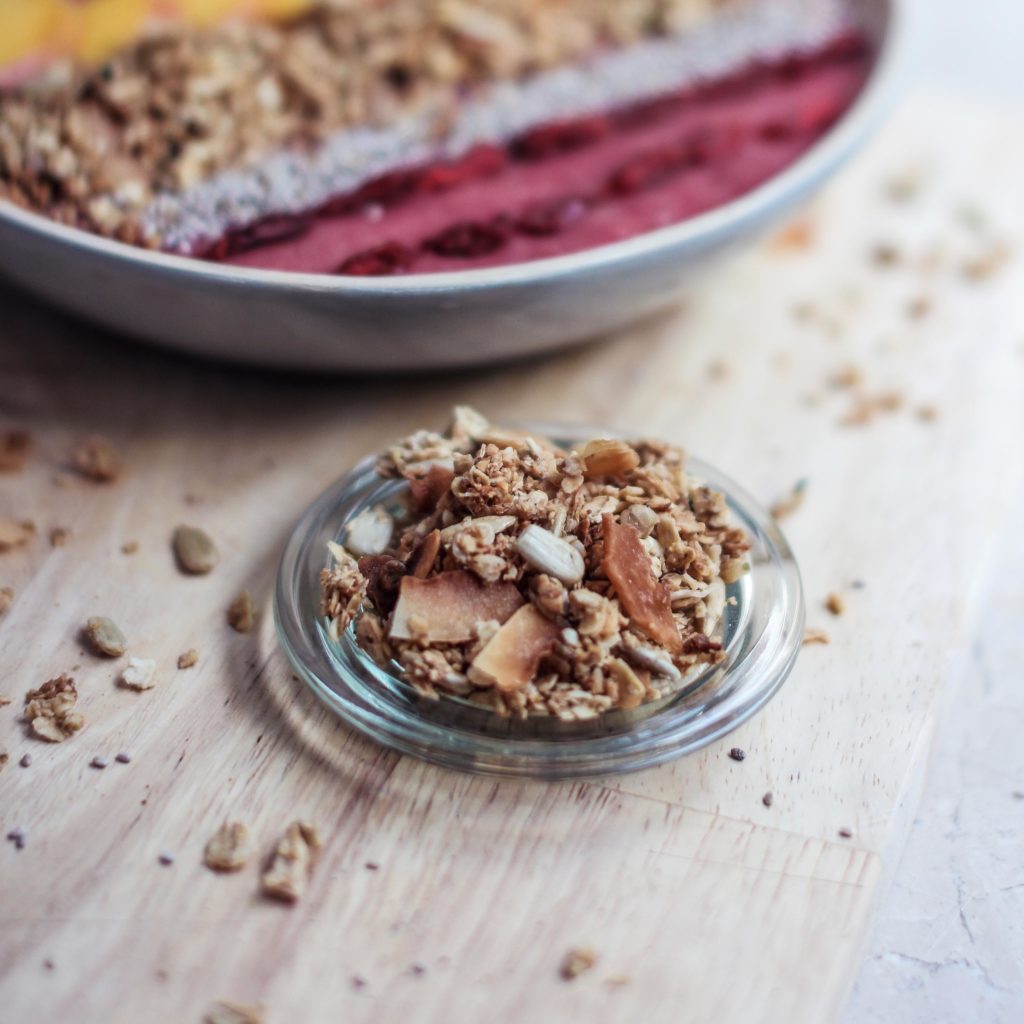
<point>570,186</point>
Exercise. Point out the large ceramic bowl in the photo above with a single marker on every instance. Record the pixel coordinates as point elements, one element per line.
<point>314,321</point>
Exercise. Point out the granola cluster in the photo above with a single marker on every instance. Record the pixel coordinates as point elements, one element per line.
<point>92,147</point>
<point>535,580</point>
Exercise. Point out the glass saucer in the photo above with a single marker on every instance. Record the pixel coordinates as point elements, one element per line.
<point>761,630</point>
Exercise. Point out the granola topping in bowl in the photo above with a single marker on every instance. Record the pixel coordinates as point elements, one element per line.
<point>536,580</point>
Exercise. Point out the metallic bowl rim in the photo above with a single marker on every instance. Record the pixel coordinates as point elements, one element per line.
<point>721,221</point>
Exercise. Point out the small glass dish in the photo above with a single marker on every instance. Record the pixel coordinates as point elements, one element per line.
<point>761,630</point>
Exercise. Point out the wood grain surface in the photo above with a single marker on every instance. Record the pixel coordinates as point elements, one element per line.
<point>702,903</point>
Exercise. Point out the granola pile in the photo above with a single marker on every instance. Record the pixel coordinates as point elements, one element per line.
<point>533,580</point>
<point>92,147</point>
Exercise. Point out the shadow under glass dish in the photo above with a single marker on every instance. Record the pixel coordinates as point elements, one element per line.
<point>462,318</point>
<point>762,630</point>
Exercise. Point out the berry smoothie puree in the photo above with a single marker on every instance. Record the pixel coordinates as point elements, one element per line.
<point>571,185</point>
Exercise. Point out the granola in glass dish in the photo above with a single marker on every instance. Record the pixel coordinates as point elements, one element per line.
<point>387,137</point>
<point>535,580</point>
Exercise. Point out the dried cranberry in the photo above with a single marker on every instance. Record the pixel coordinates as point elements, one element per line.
<point>552,217</point>
<point>647,169</point>
<point>281,228</point>
<point>469,239</point>
<point>380,261</point>
<point>479,162</point>
<point>559,137</point>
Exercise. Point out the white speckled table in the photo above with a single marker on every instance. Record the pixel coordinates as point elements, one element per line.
<point>948,942</point>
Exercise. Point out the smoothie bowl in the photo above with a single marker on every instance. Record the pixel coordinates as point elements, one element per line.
<point>389,186</point>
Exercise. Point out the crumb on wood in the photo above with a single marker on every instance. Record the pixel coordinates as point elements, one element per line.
<point>812,635</point>
<point>15,446</point>
<point>796,236</point>
<point>14,533</point>
<point>226,1011</point>
<point>867,408</point>
<point>97,459</point>
<point>139,674</point>
<point>885,254</point>
<point>927,413</point>
<point>919,307</point>
<point>229,848</point>
<point>49,710</point>
<point>848,376</point>
<point>768,799</point>
<point>188,658</point>
<point>4,758</point>
<point>6,599</point>
<point>737,754</point>
<point>846,833</point>
<point>835,604</point>
<point>988,263</point>
<point>292,862</point>
<point>129,547</point>
<point>576,962</point>
<point>791,502</point>
<point>242,612</point>
<point>59,536</point>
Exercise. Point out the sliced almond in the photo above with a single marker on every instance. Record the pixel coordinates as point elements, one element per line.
<point>229,848</point>
<point>645,599</point>
<point>608,457</point>
<point>290,866</point>
<point>549,554</point>
<point>447,607</point>
<point>495,524</point>
<point>422,559</point>
<point>510,658</point>
<point>369,533</point>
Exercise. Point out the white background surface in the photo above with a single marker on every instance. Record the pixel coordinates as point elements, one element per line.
<point>948,944</point>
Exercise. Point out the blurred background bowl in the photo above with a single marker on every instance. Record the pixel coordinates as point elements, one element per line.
<point>427,321</point>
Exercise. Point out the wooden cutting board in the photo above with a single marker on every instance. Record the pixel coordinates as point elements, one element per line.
<point>702,903</point>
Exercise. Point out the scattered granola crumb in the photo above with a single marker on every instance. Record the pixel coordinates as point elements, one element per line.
<point>50,712</point>
<point>123,758</point>
<point>105,637</point>
<point>18,836</point>
<point>166,858</point>
<point>846,833</point>
<point>140,674</point>
<point>49,965</point>
<point>575,962</point>
<point>418,969</point>
<point>4,758</point>
<point>885,254</point>
<point>618,980</point>
<point>15,532</point>
<point>59,536</point>
<point>768,799</point>
<point>99,762</point>
<point>835,604</point>
<point>97,459</point>
<point>188,659</point>
<point>129,547</point>
<point>290,866</point>
<point>737,753</point>
<point>15,446</point>
<point>846,377</point>
<point>358,981</point>
<point>814,636</point>
<point>988,263</point>
<point>927,413</point>
<point>194,550</point>
<point>229,848</point>
<point>4,701</point>
<point>919,307</point>
<point>225,1011</point>
<point>372,865</point>
<point>866,408</point>
<point>6,599</point>
<point>26,760</point>
<point>905,186</point>
<point>242,613</point>
<point>788,505</point>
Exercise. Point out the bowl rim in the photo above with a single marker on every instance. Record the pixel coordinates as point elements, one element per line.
<point>720,222</point>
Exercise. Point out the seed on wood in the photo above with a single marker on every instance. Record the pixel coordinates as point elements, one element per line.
<point>105,637</point>
<point>194,550</point>
<point>99,762</point>
<point>123,758</point>
<point>768,799</point>
<point>737,754</point>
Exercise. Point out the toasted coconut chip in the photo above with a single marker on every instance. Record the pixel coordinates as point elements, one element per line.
<point>369,533</point>
<point>429,487</point>
<point>447,607</point>
<point>509,660</point>
<point>645,599</point>
<point>608,458</point>
<point>421,561</point>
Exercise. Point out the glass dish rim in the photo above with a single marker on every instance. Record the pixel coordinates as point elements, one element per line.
<point>758,663</point>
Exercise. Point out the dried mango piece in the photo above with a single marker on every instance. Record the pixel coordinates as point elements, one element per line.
<point>644,598</point>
